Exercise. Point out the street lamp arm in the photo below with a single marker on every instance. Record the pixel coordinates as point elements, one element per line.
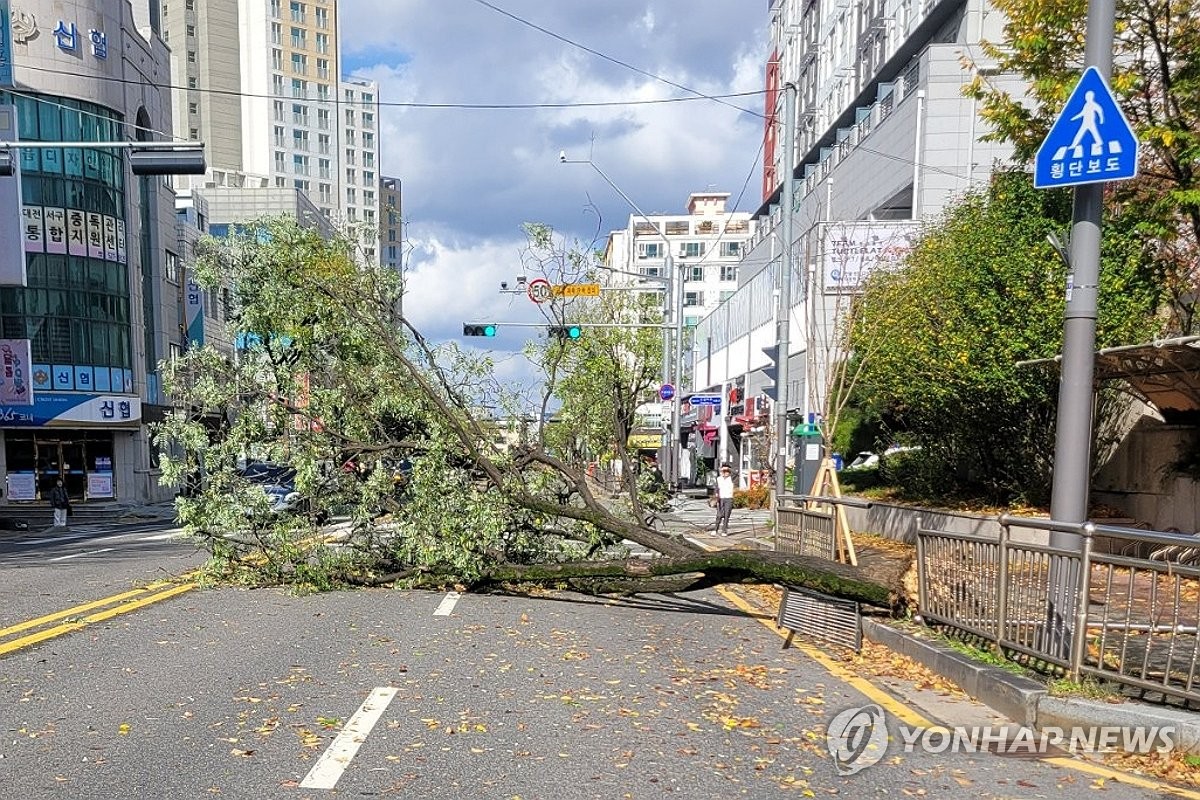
<point>624,196</point>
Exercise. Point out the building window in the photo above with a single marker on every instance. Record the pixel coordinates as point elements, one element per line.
<point>323,169</point>
<point>731,249</point>
<point>351,176</point>
<point>325,193</point>
<point>280,163</point>
<point>299,89</point>
<point>368,121</point>
<point>695,273</point>
<point>277,85</point>
<point>299,114</point>
<point>322,140</point>
<point>350,117</point>
<point>300,164</point>
<point>276,33</point>
<point>691,249</point>
<point>693,298</point>
<point>279,142</point>
<point>299,39</point>
<point>299,64</point>
<point>276,58</point>
<point>299,140</point>
<point>323,120</point>
<point>322,16</point>
<point>323,43</point>
<point>298,14</point>
<point>191,56</point>
<point>351,197</point>
<point>275,9</point>
<point>171,267</point>
<point>729,272</point>
<point>193,108</point>
<point>323,68</point>
<point>279,112</point>
<point>649,249</point>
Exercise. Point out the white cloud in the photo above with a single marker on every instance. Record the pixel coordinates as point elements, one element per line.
<point>471,177</point>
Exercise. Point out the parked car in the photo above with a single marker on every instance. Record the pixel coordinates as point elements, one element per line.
<point>278,482</point>
<point>864,460</point>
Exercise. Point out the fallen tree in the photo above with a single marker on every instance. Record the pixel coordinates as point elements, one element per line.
<point>377,423</point>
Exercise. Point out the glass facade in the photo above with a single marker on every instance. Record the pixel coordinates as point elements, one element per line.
<point>76,307</point>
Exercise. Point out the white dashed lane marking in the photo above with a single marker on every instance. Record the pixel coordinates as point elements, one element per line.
<point>333,762</point>
<point>447,605</point>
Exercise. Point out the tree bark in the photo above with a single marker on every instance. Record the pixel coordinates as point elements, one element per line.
<point>878,583</point>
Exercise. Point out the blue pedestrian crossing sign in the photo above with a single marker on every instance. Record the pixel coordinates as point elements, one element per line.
<point>1090,142</point>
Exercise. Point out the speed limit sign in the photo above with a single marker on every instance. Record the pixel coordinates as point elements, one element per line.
<point>539,290</point>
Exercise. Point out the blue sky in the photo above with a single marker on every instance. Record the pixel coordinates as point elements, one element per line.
<point>471,177</point>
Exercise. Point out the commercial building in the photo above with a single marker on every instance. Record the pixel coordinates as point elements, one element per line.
<point>99,306</point>
<point>883,138</point>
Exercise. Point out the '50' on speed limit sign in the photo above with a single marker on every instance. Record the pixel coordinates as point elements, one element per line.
<point>539,290</point>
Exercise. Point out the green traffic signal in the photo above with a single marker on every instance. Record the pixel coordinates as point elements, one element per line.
<point>566,331</point>
<point>476,329</point>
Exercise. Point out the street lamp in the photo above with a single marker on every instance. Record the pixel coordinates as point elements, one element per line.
<point>673,306</point>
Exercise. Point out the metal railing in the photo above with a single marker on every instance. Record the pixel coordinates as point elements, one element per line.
<point>802,530</point>
<point>1127,619</point>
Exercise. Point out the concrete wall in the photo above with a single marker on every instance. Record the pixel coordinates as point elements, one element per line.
<point>1140,479</point>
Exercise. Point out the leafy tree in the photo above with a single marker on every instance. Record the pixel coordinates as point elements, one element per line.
<point>392,432</point>
<point>1156,75</point>
<point>983,291</point>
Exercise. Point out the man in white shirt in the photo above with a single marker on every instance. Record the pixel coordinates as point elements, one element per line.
<point>724,500</point>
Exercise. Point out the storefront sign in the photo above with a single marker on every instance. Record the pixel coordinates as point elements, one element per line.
<point>194,312</point>
<point>72,410</point>
<point>31,224</point>
<point>22,486</point>
<point>56,229</point>
<point>645,441</point>
<point>99,484</point>
<point>16,388</point>
<point>69,39</point>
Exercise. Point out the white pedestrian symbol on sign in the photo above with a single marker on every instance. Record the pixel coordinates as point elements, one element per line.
<point>1090,142</point>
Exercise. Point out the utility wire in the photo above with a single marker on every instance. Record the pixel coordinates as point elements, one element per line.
<point>618,62</point>
<point>335,101</point>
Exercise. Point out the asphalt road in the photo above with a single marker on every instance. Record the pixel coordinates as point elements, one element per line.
<point>254,694</point>
<point>47,570</point>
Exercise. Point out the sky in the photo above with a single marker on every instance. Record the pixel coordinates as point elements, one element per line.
<point>472,177</point>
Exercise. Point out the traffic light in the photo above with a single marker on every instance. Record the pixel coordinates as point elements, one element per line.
<point>771,390</point>
<point>566,331</point>
<point>479,329</point>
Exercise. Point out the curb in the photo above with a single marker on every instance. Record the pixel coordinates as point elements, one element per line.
<point>1013,696</point>
<point>1026,701</point>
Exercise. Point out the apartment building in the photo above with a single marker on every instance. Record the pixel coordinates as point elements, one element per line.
<point>706,243</point>
<point>259,81</point>
<point>360,161</point>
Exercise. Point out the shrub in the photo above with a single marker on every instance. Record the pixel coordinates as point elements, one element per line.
<point>754,497</point>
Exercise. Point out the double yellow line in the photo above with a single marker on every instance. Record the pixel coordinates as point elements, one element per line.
<point>31,632</point>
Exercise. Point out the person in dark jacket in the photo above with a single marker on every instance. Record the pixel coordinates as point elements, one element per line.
<point>61,503</point>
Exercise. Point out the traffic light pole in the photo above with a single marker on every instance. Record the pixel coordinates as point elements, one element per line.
<point>784,311</point>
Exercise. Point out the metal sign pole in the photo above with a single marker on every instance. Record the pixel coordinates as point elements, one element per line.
<point>1074,426</point>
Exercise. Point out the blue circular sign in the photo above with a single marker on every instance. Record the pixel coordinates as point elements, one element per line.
<point>666,391</point>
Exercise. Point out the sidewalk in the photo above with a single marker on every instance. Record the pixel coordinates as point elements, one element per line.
<point>692,518</point>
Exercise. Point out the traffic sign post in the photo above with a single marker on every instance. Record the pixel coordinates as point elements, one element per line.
<point>666,392</point>
<point>705,400</point>
<point>1090,142</point>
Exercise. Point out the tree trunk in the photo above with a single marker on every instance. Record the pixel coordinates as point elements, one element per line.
<point>878,583</point>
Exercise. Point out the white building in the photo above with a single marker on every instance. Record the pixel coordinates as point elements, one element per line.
<point>706,243</point>
<point>883,134</point>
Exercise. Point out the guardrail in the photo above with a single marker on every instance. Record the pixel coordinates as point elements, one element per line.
<point>801,529</point>
<point>1073,609</point>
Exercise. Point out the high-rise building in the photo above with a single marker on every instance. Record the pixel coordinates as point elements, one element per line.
<point>259,81</point>
<point>391,223</point>
<point>359,128</point>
